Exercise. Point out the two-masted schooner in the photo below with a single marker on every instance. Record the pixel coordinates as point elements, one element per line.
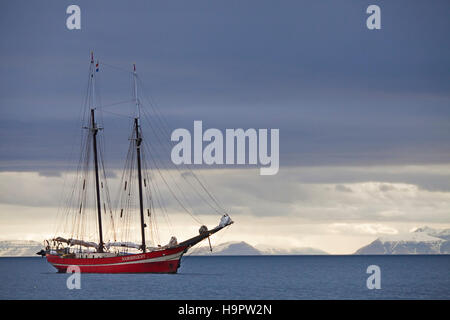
<point>90,252</point>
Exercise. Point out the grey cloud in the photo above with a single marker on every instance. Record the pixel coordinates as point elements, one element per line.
<point>342,188</point>
<point>386,188</point>
<point>435,179</point>
<point>340,96</point>
<point>49,173</point>
<point>246,193</point>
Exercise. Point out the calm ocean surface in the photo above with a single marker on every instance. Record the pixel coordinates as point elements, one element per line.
<point>240,277</point>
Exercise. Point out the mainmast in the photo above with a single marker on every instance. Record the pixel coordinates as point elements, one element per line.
<point>94,130</point>
<point>138,153</point>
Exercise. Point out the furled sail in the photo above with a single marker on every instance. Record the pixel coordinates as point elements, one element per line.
<point>123,245</point>
<point>74,242</point>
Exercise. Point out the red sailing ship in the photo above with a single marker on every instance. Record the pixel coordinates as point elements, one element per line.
<point>119,255</point>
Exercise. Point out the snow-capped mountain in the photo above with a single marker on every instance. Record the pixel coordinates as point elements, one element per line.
<point>243,248</point>
<point>19,248</point>
<point>442,233</point>
<point>421,241</point>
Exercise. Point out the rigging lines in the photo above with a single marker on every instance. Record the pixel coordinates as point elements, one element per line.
<point>157,204</point>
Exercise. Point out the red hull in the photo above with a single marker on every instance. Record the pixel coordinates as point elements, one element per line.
<point>164,261</point>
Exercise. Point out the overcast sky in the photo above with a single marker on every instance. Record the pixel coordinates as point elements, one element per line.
<point>354,106</point>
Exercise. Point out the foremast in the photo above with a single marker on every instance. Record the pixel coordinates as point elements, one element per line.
<point>94,129</point>
<point>138,156</point>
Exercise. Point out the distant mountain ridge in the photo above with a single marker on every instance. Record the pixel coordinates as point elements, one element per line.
<point>27,248</point>
<point>19,248</point>
<point>423,240</point>
<point>227,249</point>
<point>243,248</point>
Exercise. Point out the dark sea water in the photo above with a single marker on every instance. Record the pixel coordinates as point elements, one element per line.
<point>240,277</point>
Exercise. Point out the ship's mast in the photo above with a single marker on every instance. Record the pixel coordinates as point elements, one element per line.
<point>138,153</point>
<point>94,130</point>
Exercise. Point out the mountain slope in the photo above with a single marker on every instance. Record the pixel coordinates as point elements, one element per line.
<point>422,241</point>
